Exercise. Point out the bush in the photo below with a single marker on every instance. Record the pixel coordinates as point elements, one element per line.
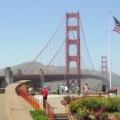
<point>98,107</point>
<point>38,115</point>
<point>82,114</point>
<point>102,115</point>
<point>117,115</point>
<point>67,99</point>
<point>54,93</point>
<point>91,103</point>
<point>73,107</point>
<point>110,104</point>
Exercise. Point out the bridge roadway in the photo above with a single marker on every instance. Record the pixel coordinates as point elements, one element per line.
<point>35,78</point>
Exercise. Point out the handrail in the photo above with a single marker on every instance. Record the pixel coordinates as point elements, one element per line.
<point>49,110</point>
<point>69,115</point>
<point>29,98</point>
<point>68,111</point>
<point>35,103</point>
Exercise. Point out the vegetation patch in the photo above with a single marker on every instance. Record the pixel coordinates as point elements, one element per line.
<point>94,108</point>
<point>39,115</point>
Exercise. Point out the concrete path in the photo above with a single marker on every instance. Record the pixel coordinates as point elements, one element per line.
<point>17,107</point>
<point>54,101</point>
<point>3,115</point>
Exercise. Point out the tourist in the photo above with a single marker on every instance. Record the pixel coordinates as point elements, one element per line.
<point>44,93</point>
<point>66,89</point>
<point>104,88</point>
<point>62,88</point>
<point>78,90</point>
<point>58,89</point>
<point>86,88</point>
<point>31,90</point>
<point>49,88</point>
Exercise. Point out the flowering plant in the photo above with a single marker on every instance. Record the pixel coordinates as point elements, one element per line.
<point>83,114</point>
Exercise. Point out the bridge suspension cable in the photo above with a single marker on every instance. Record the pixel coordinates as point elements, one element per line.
<point>58,49</point>
<point>87,47</point>
<point>54,56</point>
<point>44,47</point>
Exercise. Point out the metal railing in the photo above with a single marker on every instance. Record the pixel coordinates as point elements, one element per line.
<point>29,98</point>
<point>68,112</point>
<point>36,103</point>
<point>49,110</point>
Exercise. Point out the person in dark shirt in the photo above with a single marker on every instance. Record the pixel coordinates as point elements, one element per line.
<point>104,88</point>
<point>58,89</point>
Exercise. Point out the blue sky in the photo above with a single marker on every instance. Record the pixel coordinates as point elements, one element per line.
<point>24,28</point>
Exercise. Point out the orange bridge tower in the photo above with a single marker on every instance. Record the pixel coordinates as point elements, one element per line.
<point>75,42</point>
<point>104,71</point>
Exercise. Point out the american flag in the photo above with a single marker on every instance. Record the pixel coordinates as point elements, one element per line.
<point>117,25</point>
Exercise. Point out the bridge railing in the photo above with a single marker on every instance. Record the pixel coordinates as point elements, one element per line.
<point>29,98</point>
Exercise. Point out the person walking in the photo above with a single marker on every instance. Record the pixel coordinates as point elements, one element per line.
<point>62,88</point>
<point>66,89</point>
<point>78,90</point>
<point>104,88</point>
<point>49,88</point>
<point>58,89</point>
<point>31,90</point>
<point>44,93</point>
<point>85,88</point>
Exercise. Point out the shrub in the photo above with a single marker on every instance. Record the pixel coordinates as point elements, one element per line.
<point>92,103</point>
<point>67,99</point>
<point>54,93</point>
<point>73,107</point>
<point>102,115</point>
<point>117,115</point>
<point>98,107</point>
<point>110,104</point>
<point>38,115</point>
<point>82,114</point>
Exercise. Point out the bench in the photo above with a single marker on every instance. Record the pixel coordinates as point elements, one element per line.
<point>95,93</point>
<point>112,91</point>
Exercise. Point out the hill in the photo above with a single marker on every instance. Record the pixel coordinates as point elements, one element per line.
<point>36,66</point>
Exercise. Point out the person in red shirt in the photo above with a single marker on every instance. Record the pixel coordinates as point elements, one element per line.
<point>44,93</point>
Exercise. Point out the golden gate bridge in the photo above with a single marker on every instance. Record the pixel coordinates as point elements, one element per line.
<point>65,49</point>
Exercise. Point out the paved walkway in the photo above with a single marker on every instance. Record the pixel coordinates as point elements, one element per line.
<point>54,101</point>
<point>3,115</point>
<point>17,107</point>
<point>14,107</point>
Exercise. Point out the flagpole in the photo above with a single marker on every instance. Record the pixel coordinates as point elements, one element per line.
<point>110,63</point>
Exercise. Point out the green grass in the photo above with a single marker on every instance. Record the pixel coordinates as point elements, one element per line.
<point>39,115</point>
